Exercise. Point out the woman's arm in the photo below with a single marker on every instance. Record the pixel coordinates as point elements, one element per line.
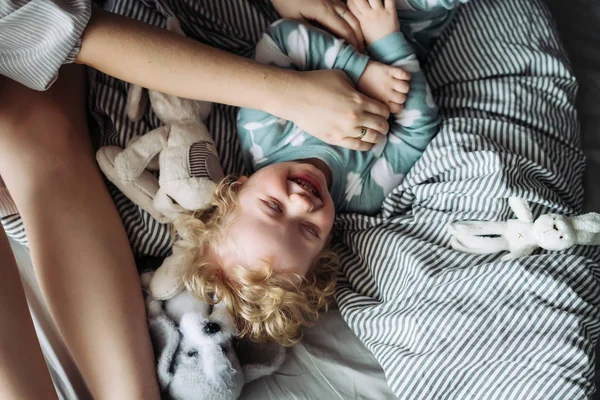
<point>323,103</point>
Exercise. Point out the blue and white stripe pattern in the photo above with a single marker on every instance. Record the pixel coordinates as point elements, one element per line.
<point>443,325</point>
<point>446,325</point>
<point>38,36</point>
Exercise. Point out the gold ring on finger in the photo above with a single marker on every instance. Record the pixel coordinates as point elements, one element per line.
<point>363,132</point>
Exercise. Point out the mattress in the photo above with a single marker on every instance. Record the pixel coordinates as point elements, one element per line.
<point>331,363</point>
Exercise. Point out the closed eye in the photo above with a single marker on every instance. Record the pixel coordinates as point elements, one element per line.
<point>274,205</point>
<point>311,229</point>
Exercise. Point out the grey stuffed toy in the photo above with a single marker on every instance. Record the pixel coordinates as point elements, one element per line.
<point>198,354</point>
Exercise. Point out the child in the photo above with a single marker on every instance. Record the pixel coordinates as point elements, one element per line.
<point>264,244</point>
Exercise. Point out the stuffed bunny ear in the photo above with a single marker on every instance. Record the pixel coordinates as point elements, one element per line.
<point>521,209</point>
<point>587,227</point>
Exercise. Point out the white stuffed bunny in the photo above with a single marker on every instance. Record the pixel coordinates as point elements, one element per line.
<point>521,236</point>
<point>188,162</point>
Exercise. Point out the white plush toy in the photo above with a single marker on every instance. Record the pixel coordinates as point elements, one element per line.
<point>198,355</point>
<point>521,236</point>
<point>188,163</point>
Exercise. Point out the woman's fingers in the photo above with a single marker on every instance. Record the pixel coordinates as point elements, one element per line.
<point>375,107</point>
<point>327,106</point>
<point>355,25</point>
<point>370,136</point>
<point>334,19</point>
<point>356,144</point>
<point>375,123</point>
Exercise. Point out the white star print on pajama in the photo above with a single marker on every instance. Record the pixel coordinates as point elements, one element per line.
<point>361,180</point>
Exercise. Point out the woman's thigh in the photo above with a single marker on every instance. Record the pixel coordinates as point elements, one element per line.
<point>42,133</point>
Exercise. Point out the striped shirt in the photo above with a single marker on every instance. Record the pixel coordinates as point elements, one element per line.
<point>38,36</point>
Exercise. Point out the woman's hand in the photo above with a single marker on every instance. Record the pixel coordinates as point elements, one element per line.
<point>326,105</point>
<point>332,14</point>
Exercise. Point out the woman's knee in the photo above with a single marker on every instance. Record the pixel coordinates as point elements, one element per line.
<point>43,129</point>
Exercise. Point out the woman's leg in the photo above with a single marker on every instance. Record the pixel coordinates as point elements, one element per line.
<point>23,372</point>
<point>80,251</point>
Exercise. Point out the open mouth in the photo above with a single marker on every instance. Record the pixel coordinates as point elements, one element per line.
<point>307,184</point>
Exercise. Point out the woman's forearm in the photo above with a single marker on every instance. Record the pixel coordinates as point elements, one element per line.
<point>323,103</point>
<point>164,61</point>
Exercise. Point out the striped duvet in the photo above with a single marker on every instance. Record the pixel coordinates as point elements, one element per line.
<point>443,325</point>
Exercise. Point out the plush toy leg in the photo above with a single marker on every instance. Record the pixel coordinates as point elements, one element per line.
<point>190,193</point>
<point>166,206</point>
<point>135,158</point>
<point>479,245</point>
<point>477,228</point>
<point>166,281</point>
<point>141,191</point>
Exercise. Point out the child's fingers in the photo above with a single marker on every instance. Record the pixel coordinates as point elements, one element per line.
<point>361,6</point>
<point>390,5</point>
<point>395,108</point>
<point>376,108</point>
<point>376,4</point>
<point>401,74</point>
<point>401,86</point>
<point>398,97</point>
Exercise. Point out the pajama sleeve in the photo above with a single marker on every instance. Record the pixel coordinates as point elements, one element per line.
<point>38,36</point>
<point>418,123</point>
<point>292,44</point>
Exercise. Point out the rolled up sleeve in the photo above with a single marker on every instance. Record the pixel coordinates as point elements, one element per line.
<point>38,36</point>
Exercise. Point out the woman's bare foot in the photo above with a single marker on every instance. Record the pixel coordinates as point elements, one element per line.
<point>386,84</point>
<point>377,18</point>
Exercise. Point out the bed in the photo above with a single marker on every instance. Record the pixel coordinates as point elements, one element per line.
<point>336,362</point>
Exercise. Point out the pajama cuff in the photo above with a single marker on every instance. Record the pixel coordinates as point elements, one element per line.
<point>390,48</point>
<point>355,63</point>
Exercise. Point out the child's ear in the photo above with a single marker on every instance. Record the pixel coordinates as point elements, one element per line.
<point>242,179</point>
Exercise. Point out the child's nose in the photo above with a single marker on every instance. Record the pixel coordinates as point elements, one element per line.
<point>303,203</point>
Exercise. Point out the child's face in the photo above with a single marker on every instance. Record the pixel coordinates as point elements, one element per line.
<point>284,216</point>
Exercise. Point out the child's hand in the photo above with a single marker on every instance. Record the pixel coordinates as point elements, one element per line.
<point>377,18</point>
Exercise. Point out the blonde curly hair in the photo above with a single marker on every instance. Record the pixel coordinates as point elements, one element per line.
<point>266,305</point>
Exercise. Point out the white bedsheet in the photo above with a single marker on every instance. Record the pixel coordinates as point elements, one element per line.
<point>331,363</point>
